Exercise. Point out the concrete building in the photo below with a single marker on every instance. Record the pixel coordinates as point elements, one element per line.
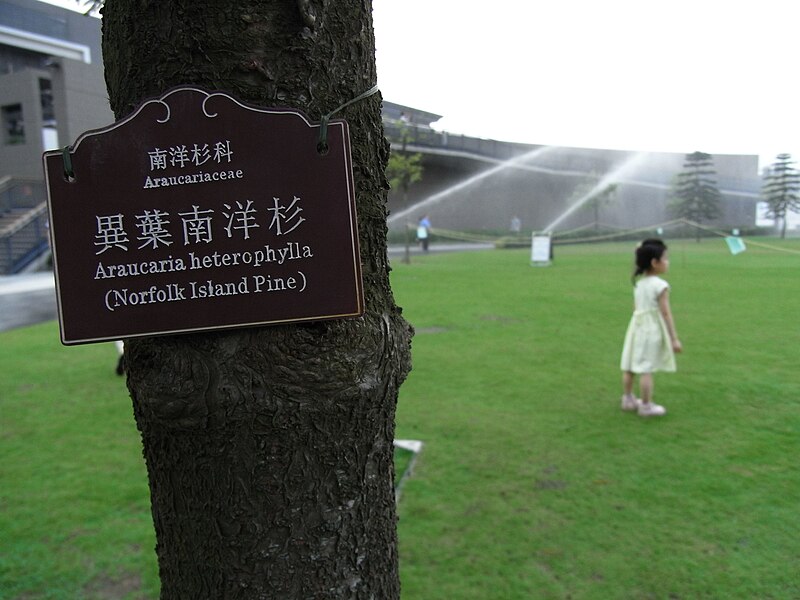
<point>51,90</point>
<point>51,82</point>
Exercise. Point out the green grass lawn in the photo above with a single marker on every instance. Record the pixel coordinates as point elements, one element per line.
<point>532,483</point>
<point>74,503</point>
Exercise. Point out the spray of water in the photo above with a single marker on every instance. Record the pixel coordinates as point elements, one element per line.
<point>516,162</point>
<point>615,176</point>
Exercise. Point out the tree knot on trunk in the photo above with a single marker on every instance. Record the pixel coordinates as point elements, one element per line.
<point>308,13</point>
<point>175,392</point>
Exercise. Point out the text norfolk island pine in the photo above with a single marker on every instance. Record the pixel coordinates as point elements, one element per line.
<point>194,290</point>
<point>208,288</point>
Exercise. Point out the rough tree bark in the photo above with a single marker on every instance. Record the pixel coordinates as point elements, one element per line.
<point>269,451</point>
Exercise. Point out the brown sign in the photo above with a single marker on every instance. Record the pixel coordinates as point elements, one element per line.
<point>198,212</point>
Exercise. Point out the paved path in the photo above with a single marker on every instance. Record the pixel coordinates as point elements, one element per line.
<point>26,300</point>
<point>414,249</point>
<point>29,299</point>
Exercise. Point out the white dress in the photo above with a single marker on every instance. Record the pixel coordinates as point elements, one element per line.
<point>647,345</point>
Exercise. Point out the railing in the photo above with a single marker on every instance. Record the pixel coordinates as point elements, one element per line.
<point>20,193</point>
<point>398,132</point>
<point>23,237</point>
<point>420,136</point>
<point>24,241</point>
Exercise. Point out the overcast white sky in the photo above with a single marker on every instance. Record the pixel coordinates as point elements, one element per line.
<point>719,76</point>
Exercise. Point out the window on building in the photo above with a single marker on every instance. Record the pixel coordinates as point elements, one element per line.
<point>46,95</point>
<point>13,125</point>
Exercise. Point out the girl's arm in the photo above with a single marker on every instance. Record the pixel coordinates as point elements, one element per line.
<point>663,305</point>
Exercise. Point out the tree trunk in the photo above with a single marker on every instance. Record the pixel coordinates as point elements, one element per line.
<point>269,450</point>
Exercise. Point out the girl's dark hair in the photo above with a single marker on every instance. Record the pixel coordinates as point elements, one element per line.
<point>649,249</point>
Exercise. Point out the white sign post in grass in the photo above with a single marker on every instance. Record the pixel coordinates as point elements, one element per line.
<point>541,250</point>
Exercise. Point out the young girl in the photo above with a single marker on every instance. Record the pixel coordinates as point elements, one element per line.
<point>651,340</point>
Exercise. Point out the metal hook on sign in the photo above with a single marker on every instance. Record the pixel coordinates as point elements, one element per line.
<point>322,143</point>
<point>69,172</point>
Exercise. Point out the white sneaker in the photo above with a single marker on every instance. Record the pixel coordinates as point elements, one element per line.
<point>630,403</point>
<point>650,409</point>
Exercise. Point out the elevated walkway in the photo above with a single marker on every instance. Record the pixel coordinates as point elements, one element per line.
<point>571,161</point>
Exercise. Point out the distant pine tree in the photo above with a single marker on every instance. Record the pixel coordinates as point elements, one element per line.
<point>403,170</point>
<point>781,190</point>
<point>695,193</point>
